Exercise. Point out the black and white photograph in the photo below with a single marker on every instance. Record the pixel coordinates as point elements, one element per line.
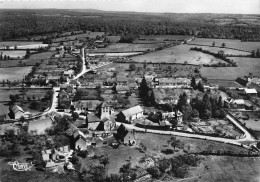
<point>129,90</point>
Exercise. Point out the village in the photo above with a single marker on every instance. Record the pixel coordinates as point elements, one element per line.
<point>95,103</point>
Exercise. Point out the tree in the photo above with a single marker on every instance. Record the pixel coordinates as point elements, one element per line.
<point>257,53</point>
<point>154,172</point>
<point>195,113</point>
<point>213,44</point>
<point>223,44</point>
<point>75,116</point>
<point>193,83</point>
<point>143,89</point>
<point>220,102</point>
<point>174,122</point>
<point>176,143</point>
<point>15,47</point>
<point>253,54</point>
<point>132,67</point>
<point>207,114</point>
<point>200,87</point>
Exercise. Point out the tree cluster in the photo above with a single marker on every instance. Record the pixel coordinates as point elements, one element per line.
<point>146,93</point>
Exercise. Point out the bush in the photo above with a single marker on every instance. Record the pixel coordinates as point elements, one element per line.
<point>167,151</point>
<point>154,172</point>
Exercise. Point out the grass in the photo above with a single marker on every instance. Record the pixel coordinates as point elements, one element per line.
<point>14,73</point>
<point>245,66</point>
<point>164,37</point>
<point>222,169</point>
<point>231,43</point>
<point>226,50</point>
<point>125,47</point>
<point>73,37</point>
<point>17,43</point>
<point>119,157</point>
<point>178,54</point>
<point>113,38</point>
<point>14,54</point>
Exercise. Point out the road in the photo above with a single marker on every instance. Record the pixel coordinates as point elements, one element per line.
<point>54,103</point>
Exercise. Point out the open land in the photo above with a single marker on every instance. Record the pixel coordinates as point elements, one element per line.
<point>15,73</point>
<point>178,55</point>
<point>125,47</point>
<point>230,43</point>
<point>244,67</point>
<point>18,43</point>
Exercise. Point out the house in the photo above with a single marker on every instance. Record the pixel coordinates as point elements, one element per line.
<point>80,140</point>
<point>255,86</point>
<point>82,106</point>
<point>64,96</point>
<point>179,116</point>
<point>55,78</point>
<point>38,127</point>
<point>121,81</point>
<point>68,73</point>
<point>93,121</point>
<point>106,110</point>
<point>250,91</point>
<point>128,115</point>
<point>172,82</point>
<point>125,136</point>
<point>122,89</point>
<point>242,81</point>
<point>16,112</point>
<point>106,125</point>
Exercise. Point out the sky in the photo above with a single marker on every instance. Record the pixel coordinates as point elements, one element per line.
<point>171,6</point>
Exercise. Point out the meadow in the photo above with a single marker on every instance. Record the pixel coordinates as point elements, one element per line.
<point>18,43</point>
<point>14,73</point>
<point>226,50</point>
<point>230,43</point>
<point>125,47</point>
<point>180,54</point>
<point>245,66</point>
<point>73,37</point>
<point>14,53</point>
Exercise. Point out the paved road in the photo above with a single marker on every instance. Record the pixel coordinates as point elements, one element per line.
<point>54,103</point>
<point>191,135</point>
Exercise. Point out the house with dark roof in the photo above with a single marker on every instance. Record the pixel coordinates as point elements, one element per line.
<point>128,115</point>
<point>242,81</point>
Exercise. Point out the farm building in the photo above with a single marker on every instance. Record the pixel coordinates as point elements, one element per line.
<point>128,115</point>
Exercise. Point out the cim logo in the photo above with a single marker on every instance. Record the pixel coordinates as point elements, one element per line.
<point>21,166</point>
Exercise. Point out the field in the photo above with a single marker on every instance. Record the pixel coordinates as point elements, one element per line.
<point>120,54</point>
<point>17,43</point>
<point>245,66</point>
<point>125,47</point>
<point>253,121</point>
<point>14,54</point>
<point>226,50</point>
<point>73,37</point>
<point>230,43</point>
<point>15,73</point>
<point>161,38</point>
<point>113,38</point>
<point>178,54</point>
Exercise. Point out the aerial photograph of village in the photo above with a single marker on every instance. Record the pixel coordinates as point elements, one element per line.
<point>130,91</point>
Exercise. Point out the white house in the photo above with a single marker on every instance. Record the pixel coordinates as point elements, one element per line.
<point>128,115</point>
